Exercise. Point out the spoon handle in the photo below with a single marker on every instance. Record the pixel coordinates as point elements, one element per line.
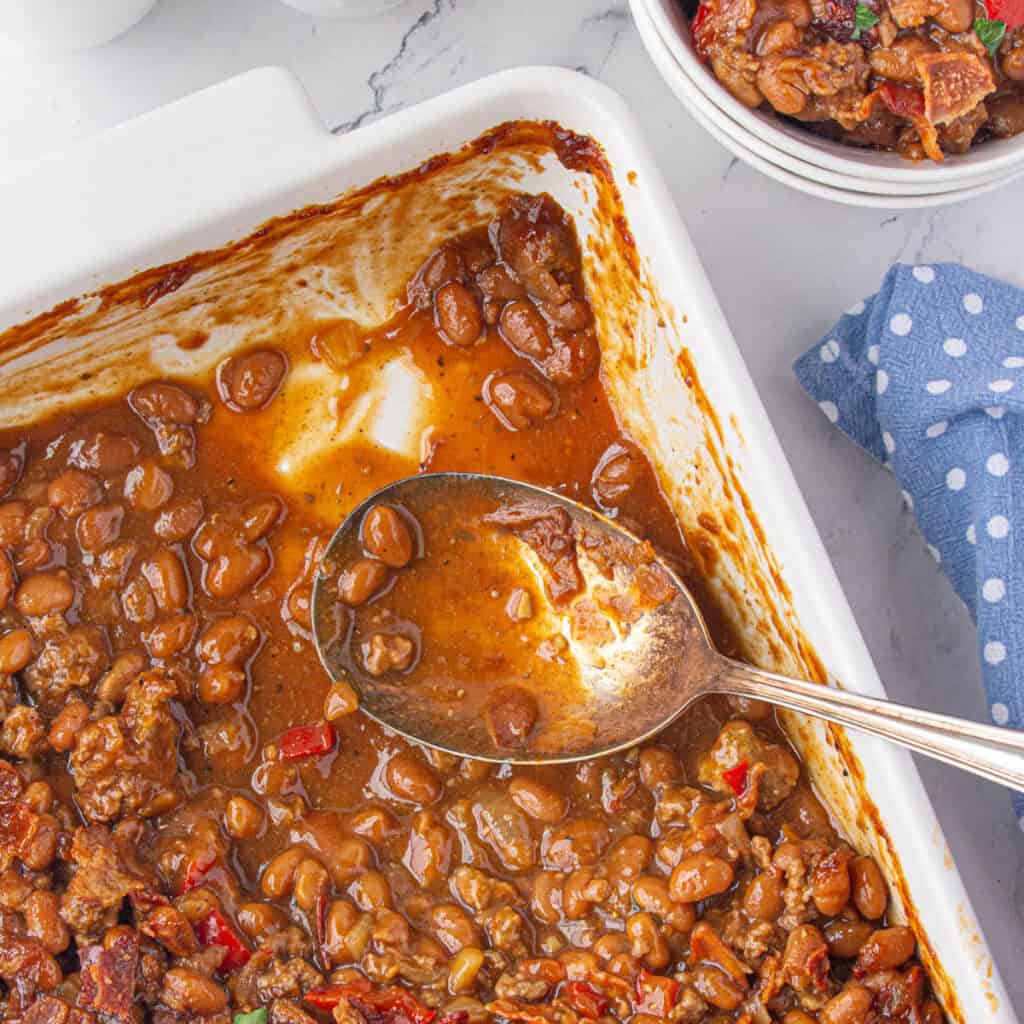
<point>993,753</point>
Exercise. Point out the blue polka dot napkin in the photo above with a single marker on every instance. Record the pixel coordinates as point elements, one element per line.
<point>928,376</point>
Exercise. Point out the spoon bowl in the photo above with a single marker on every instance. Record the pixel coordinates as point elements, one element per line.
<point>612,646</point>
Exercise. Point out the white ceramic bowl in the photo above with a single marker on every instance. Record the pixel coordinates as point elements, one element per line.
<point>57,26</point>
<point>984,163</point>
<point>791,171</point>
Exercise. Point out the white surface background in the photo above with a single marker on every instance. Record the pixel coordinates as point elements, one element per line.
<point>783,265</point>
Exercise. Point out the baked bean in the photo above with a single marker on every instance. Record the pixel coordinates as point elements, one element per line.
<point>647,941</point>
<point>15,651</point>
<point>188,991</point>
<point>546,900</point>
<point>38,797</point>
<point>629,857</point>
<point>609,945</point>
<point>763,899</point>
<point>885,949</point>
<point>43,921</point>
<point>98,527</point>
<point>457,314</point>
<point>279,875</point>
<point>651,894</point>
<point>615,475</point>
<point>106,453</point>
<point>845,938</point>
<point>229,640</point>
<point>41,851</point>
<point>114,684</point>
<point>231,572</point>
<point>408,778</point>
<point>510,714</point>
<point>851,1006</point>
<point>260,515</point>
<point>831,882</point>
<point>68,724</point>
<point>178,519</point>
<point>578,841</point>
<point>805,959</point>
<point>160,401</point>
<point>8,581</point>
<point>428,850</point>
<point>524,329</point>
<point>464,968</point>
<point>869,892</point>
<point>519,399</point>
<point>361,580</point>
<point>387,652</point>
<point>540,801</point>
<point>257,919</point>
<point>717,988</point>
<point>73,491</point>
<point>453,927</point>
<point>386,535</point>
<point>699,876</point>
<point>309,883</point>
<point>371,891</point>
<point>221,684</point>
<point>249,381</point>
<point>798,1017</point>
<point>341,917</point>
<point>171,636</point>
<point>575,358</point>
<point>172,929</point>
<point>148,486</point>
<point>44,593</point>
<point>341,700</point>
<point>375,824</point>
<point>658,767</point>
<point>242,818</point>
<point>954,15</point>
<point>168,580</point>
<point>581,892</point>
<point>347,858</point>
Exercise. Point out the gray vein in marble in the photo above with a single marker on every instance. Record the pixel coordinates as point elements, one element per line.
<point>378,81</point>
<point>617,16</point>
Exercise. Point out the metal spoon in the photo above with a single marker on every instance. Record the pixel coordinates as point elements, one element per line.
<point>658,665</point>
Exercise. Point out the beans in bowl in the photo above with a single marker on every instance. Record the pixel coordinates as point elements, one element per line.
<point>924,78</point>
<point>197,827</point>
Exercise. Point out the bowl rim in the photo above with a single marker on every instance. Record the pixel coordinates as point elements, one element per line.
<point>878,166</point>
<point>684,91</point>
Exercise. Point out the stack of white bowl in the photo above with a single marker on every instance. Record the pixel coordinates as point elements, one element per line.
<point>795,156</point>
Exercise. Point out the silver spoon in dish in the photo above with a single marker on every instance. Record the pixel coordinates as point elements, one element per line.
<point>543,632</point>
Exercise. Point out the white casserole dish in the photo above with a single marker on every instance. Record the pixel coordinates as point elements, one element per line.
<point>216,165</point>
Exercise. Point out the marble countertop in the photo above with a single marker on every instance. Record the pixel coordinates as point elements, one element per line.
<point>779,296</point>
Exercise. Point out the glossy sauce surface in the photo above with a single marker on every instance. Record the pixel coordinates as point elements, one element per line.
<point>194,823</point>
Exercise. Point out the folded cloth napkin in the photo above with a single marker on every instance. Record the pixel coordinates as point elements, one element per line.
<point>928,376</point>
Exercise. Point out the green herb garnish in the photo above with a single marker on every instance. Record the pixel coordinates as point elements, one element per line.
<point>252,1017</point>
<point>864,18</point>
<point>991,33</point>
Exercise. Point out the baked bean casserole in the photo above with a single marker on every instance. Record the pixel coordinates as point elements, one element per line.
<point>924,78</point>
<point>197,827</point>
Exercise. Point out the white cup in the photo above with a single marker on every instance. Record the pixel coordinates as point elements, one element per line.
<point>342,8</point>
<point>57,26</point>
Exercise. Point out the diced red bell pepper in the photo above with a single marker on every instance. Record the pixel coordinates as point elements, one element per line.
<point>655,994</point>
<point>1010,12</point>
<point>214,930</point>
<point>702,32</point>
<point>902,100</point>
<point>198,868</point>
<point>307,741</point>
<point>586,1000</point>
<point>736,776</point>
<point>391,1005</point>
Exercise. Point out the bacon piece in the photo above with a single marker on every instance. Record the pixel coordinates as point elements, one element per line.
<point>706,946</point>
<point>108,974</point>
<point>10,783</point>
<point>954,84</point>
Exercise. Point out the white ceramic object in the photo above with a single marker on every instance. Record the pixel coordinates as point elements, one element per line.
<point>991,158</point>
<point>58,26</point>
<point>226,159</point>
<point>815,181</point>
<point>342,8</point>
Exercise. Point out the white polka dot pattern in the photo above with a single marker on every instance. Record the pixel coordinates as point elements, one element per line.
<point>927,376</point>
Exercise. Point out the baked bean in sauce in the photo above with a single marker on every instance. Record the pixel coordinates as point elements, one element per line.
<point>196,823</point>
